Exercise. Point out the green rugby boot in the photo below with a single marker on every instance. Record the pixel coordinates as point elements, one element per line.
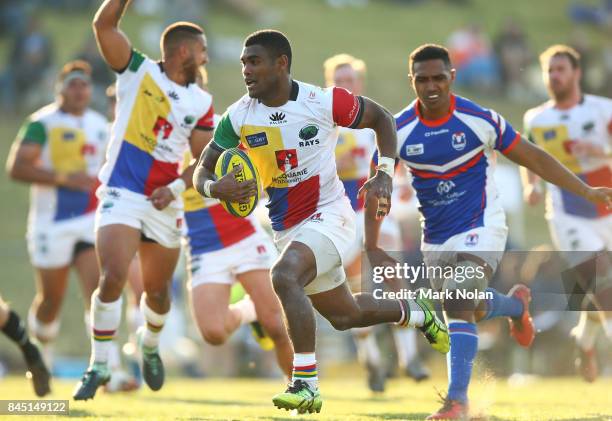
<point>299,396</point>
<point>433,328</point>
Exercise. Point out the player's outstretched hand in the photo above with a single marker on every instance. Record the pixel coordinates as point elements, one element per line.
<point>161,197</point>
<point>229,189</point>
<point>80,181</point>
<point>380,186</point>
<point>600,195</point>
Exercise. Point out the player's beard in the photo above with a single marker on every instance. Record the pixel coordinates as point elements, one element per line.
<point>190,70</point>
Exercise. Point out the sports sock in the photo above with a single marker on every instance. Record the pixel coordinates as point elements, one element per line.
<point>367,348</point>
<point>15,330</point>
<point>405,343</point>
<point>44,332</point>
<point>586,331</point>
<point>460,359</point>
<point>106,318</point>
<point>246,310</point>
<point>305,368</point>
<point>153,326</point>
<point>502,305</point>
<point>412,314</point>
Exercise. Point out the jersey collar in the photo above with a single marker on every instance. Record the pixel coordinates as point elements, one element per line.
<point>439,121</point>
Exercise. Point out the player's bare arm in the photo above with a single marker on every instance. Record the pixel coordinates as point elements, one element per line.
<point>22,166</point>
<point>112,42</point>
<point>162,196</point>
<point>550,169</point>
<point>226,188</point>
<point>380,185</point>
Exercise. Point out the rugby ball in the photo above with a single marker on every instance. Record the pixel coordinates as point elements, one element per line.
<point>229,159</point>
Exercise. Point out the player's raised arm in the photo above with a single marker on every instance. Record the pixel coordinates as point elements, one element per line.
<point>548,168</point>
<point>112,42</point>
<point>380,186</point>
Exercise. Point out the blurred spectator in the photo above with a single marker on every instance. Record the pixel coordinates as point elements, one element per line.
<point>514,55</point>
<point>101,75</point>
<point>13,17</point>
<point>581,42</point>
<point>28,64</point>
<point>597,15</point>
<point>473,57</point>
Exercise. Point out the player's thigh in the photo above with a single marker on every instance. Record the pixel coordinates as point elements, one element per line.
<point>296,263</point>
<point>135,279</point>
<point>257,284</point>
<point>209,304</point>
<point>157,264</point>
<point>116,245</point>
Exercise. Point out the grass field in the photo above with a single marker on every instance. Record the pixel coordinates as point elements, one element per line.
<point>229,399</point>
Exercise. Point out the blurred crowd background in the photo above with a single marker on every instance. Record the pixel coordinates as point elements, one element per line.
<point>494,46</point>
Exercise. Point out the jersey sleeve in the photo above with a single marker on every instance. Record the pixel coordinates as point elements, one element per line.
<point>225,137</point>
<point>347,109</point>
<point>506,138</point>
<point>136,60</point>
<point>32,132</point>
<point>207,121</point>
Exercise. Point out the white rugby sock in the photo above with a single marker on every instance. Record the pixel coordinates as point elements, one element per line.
<point>586,331</point>
<point>417,315</point>
<point>106,318</point>
<point>154,324</point>
<point>305,369</point>
<point>405,343</point>
<point>367,347</point>
<point>44,332</point>
<point>246,309</point>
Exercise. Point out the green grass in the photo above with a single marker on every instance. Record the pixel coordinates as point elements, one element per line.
<point>344,399</point>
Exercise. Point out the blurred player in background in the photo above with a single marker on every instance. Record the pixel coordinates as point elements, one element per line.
<point>59,150</point>
<point>577,130</point>
<point>448,142</point>
<point>354,150</point>
<point>14,329</point>
<point>288,129</point>
<point>160,113</point>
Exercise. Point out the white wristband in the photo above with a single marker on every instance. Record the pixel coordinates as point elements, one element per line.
<point>177,187</point>
<point>387,165</point>
<point>206,187</point>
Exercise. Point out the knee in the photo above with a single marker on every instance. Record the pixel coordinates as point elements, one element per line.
<point>111,282</point>
<point>158,299</point>
<point>214,335</point>
<point>342,322</point>
<point>282,282</point>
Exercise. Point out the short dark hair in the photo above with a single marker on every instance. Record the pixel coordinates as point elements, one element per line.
<point>429,52</point>
<point>79,66</point>
<point>177,33</point>
<point>275,42</point>
<point>560,50</point>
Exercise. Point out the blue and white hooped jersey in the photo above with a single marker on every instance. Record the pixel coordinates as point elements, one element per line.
<point>451,164</point>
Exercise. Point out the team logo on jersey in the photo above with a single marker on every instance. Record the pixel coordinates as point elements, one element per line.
<point>114,194</point>
<point>459,141</point>
<point>412,150</point>
<point>257,139</point>
<point>316,217</point>
<point>471,239</point>
<point>286,159</point>
<point>550,134</point>
<point>261,249</point>
<point>189,119</point>
<point>588,126</point>
<point>162,126</point>
<point>173,95</point>
<point>277,118</point>
<point>444,187</point>
<point>308,132</point>
<point>88,149</point>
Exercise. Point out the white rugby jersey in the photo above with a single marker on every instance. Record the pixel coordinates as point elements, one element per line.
<point>557,131</point>
<point>69,144</point>
<point>155,118</point>
<point>451,163</point>
<point>360,145</point>
<point>292,147</point>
